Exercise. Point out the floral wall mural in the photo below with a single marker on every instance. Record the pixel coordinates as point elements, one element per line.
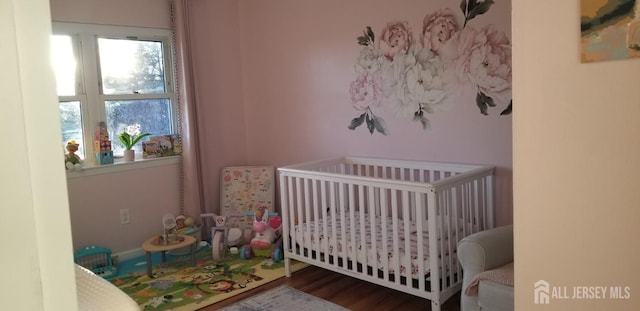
<point>449,61</point>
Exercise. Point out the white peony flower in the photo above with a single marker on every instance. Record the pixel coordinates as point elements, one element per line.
<point>369,61</point>
<point>425,84</point>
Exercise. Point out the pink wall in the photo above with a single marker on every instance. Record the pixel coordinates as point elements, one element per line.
<point>95,203</point>
<point>273,81</point>
<point>298,61</point>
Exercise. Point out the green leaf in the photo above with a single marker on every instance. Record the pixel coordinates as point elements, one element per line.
<point>463,7</point>
<point>125,139</point>
<point>136,139</point>
<point>507,110</point>
<point>426,125</point>
<point>362,40</point>
<point>129,141</point>
<point>479,9</point>
<point>371,34</point>
<point>481,103</point>
<point>488,100</point>
<point>370,125</point>
<point>472,4</point>
<point>357,122</point>
<point>380,125</point>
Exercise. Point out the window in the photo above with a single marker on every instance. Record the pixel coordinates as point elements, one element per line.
<point>117,75</point>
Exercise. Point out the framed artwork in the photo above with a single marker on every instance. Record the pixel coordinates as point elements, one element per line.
<point>610,29</point>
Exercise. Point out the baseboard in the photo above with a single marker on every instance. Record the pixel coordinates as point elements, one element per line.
<point>130,254</point>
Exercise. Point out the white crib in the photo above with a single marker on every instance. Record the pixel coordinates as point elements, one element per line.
<point>390,222</point>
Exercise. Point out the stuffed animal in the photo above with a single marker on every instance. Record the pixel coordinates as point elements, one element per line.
<point>71,159</point>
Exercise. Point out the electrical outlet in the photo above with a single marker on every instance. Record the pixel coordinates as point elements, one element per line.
<point>124,216</point>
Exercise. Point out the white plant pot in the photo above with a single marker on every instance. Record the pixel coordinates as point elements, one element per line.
<point>129,155</point>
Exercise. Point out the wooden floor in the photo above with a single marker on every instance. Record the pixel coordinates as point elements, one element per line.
<point>346,291</point>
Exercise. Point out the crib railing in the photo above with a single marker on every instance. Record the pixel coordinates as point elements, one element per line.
<point>412,211</point>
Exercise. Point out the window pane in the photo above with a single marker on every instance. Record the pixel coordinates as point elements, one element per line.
<point>71,119</point>
<point>131,66</point>
<point>64,64</point>
<point>153,115</point>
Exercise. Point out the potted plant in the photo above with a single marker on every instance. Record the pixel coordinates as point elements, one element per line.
<point>129,138</point>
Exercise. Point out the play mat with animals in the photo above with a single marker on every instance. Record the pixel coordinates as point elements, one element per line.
<point>179,286</point>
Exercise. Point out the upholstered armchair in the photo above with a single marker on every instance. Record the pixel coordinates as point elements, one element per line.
<point>96,293</point>
<point>487,263</point>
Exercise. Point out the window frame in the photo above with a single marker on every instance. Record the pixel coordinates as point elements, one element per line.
<point>88,86</point>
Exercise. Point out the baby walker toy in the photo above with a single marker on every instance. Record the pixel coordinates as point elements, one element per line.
<point>268,239</point>
<point>223,237</point>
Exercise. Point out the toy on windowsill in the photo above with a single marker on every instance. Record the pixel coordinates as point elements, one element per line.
<point>72,161</point>
<point>268,239</point>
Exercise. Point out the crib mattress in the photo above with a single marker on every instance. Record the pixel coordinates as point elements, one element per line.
<point>306,233</point>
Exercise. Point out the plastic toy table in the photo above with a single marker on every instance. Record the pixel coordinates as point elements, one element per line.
<point>159,244</point>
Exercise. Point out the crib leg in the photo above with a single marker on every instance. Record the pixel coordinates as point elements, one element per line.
<point>287,267</point>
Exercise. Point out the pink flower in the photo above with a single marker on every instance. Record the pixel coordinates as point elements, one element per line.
<point>478,61</point>
<point>438,28</point>
<point>489,63</point>
<point>365,92</point>
<point>396,38</point>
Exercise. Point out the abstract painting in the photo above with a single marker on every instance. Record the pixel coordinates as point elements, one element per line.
<point>610,29</point>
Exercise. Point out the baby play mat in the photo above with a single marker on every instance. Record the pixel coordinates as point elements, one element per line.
<point>179,286</point>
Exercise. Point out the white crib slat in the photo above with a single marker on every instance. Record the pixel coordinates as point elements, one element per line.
<point>420,238</point>
<point>342,252</point>
<point>372,225</point>
<point>459,228</point>
<point>316,217</point>
<point>332,214</point>
<point>352,225</point>
<point>488,207</point>
<point>448,236</point>
<point>477,221</point>
<point>407,235</point>
<point>384,230</point>
<point>285,224</point>
<point>291,210</point>
<point>363,233</point>
<point>299,205</point>
<point>307,211</point>
<point>433,241</point>
<point>396,238</point>
<point>325,230</point>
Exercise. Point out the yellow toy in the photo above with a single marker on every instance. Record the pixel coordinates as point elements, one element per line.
<point>71,159</point>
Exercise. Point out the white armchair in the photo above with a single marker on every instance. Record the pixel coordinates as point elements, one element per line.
<point>96,293</point>
<point>480,255</point>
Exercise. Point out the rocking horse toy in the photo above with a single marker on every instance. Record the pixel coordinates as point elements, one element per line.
<point>267,241</point>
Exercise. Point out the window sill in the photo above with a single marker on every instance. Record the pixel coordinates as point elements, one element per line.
<point>120,165</point>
